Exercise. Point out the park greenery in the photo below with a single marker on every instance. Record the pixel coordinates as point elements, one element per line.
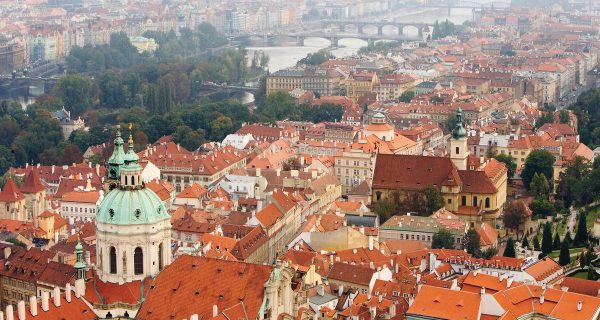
<point>443,29</point>
<point>382,47</point>
<point>115,84</point>
<point>315,59</point>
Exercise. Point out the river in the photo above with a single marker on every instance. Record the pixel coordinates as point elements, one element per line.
<point>287,56</point>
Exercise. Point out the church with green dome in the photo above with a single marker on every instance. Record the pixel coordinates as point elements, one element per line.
<point>133,228</point>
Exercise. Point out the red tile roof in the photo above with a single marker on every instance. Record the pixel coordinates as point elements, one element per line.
<point>32,183</point>
<point>188,286</point>
<point>413,172</point>
<point>440,303</point>
<point>10,192</point>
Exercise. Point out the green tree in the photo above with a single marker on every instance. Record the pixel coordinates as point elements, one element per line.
<point>542,208</point>
<point>78,93</point>
<point>583,260</point>
<point>510,248</point>
<point>489,253</point>
<point>536,243</point>
<point>539,187</point>
<point>509,162</point>
<point>564,257</point>
<point>581,235</point>
<point>568,238</point>
<point>220,127</point>
<point>7,159</point>
<point>279,105</point>
<point>525,243</point>
<point>406,96</point>
<point>434,199</point>
<point>547,238</point>
<point>592,274</point>
<point>515,216</point>
<point>472,242</point>
<point>442,239</point>
<point>385,209</point>
<point>188,138</point>
<point>556,242</point>
<point>538,161</point>
<point>316,58</point>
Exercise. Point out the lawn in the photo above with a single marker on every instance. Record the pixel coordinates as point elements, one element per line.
<point>591,217</point>
<point>572,251</point>
<point>580,275</point>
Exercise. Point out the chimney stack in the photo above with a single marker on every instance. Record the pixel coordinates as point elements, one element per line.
<point>579,305</point>
<point>45,302</point>
<point>215,311</point>
<point>340,290</point>
<point>79,288</point>
<point>21,310</point>
<point>194,317</point>
<point>32,306</point>
<point>370,243</point>
<point>56,296</point>
<point>68,292</point>
<point>9,312</point>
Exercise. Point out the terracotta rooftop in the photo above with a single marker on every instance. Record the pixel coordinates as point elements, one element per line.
<point>187,287</point>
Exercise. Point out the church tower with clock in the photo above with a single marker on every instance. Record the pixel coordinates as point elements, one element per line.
<point>133,228</point>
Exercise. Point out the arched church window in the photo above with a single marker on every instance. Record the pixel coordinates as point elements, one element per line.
<point>113,260</point>
<point>138,261</point>
<point>111,213</point>
<point>137,213</point>
<point>160,257</point>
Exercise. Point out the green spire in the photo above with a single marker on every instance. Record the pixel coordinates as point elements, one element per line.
<point>79,264</point>
<point>459,131</point>
<point>116,160</point>
<point>131,158</point>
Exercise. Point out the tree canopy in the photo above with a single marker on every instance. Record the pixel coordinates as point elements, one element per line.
<point>540,162</point>
<point>442,239</point>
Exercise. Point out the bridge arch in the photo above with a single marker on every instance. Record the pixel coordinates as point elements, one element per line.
<point>411,30</point>
<point>391,29</point>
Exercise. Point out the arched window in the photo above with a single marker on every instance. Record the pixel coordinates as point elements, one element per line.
<point>138,261</point>
<point>487,202</point>
<point>463,201</point>
<point>160,257</point>
<point>113,260</point>
<point>475,202</point>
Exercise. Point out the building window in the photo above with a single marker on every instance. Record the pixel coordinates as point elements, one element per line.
<point>457,150</point>
<point>449,200</point>
<point>138,261</point>
<point>474,201</point>
<point>113,260</point>
<point>464,200</point>
<point>160,257</point>
<point>487,202</point>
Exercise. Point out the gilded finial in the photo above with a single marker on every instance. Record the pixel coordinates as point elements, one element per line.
<point>130,133</point>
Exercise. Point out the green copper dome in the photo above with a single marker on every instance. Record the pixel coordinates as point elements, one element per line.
<point>131,207</point>
<point>459,131</point>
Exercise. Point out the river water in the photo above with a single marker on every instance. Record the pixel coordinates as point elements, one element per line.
<point>287,56</point>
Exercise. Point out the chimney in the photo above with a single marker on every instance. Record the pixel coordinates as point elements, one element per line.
<point>542,299</point>
<point>579,305</point>
<point>45,303</point>
<point>258,172</point>
<point>370,243</point>
<point>56,296</point>
<point>380,298</point>
<point>215,311</point>
<point>320,290</point>
<point>21,310</point>
<point>396,268</point>
<point>7,253</point>
<point>194,317</point>
<point>32,306</point>
<point>340,290</point>
<point>372,265</point>
<point>97,169</point>
<point>68,292</point>
<point>482,290</point>
<point>79,288</point>
<point>9,312</point>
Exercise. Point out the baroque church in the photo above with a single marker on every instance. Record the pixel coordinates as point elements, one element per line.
<point>133,227</point>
